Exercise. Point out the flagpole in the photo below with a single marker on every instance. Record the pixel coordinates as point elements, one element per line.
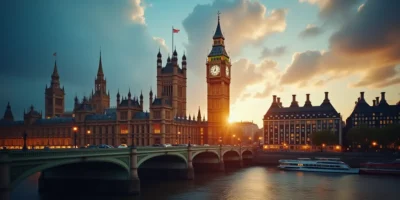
<point>172,48</point>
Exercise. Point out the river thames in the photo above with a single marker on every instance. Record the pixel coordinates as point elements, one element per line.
<point>256,182</point>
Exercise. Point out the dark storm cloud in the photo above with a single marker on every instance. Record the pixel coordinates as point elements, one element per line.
<point>367,43</point>
<point>338,10</point>
<point>75,30</point>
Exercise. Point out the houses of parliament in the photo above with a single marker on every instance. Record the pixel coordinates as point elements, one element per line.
<point>94,122</point>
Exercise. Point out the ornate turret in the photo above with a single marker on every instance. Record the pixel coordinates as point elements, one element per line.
<point>8,116</point>
<point>199,115</point>
<point>118,98</point>
<point>150,97</point>
<point>168,59</point>
<point>100,73</point>
<point>175,57</point>
<point>141,99</point>
<point>55,78</point>
<point>184,61</point>
<point>159,59</point>
<point>129,94</point>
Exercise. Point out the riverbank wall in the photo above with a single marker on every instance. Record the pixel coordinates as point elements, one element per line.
<point>353,159</point>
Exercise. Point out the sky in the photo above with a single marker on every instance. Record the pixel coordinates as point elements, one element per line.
<point>278,48</point>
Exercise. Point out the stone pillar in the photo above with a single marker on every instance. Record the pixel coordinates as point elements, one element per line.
<point>221,160</point>
<point>240,157</point>
<point>134,177</point>
<point>190,169</point>
<point>5,184</point>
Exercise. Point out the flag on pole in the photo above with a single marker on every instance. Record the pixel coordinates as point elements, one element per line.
<point>55,54</point>
<point>175,30</point>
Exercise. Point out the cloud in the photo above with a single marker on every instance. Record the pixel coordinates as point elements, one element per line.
<point>379,77</point>
<point>311,31</point>
<point>366,43</point>
<point>138,8</point>
<point>128,51</point>
<point>360,7</point>
<point>334,10</point>
<point>266,92</point>
<point>276,52</point>
<point>161,43</point>
<point>248,74</point>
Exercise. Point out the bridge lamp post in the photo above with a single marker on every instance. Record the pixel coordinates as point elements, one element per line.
<point>220,141</point>
<point>179,133</point>
<point>240,142</point>
<point>259,141</point>
<point>189,142</point>
<point>88,133</point>
<point>25,148</point>
<point>75,129</point>
<point>233,139</point>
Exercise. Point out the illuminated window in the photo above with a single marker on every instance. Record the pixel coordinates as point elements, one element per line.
<point>124,129</point>
<point>157,128</point>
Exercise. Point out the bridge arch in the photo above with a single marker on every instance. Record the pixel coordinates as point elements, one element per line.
<point>53,164</point>
<point>148,157</point>
<point>230,152</point>
<point>207,151</point>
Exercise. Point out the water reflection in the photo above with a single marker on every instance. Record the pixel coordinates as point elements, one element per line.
<point>252,183</point>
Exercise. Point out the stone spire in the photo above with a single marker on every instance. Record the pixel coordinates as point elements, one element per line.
<point>8,116</point>
<point>218,32</point>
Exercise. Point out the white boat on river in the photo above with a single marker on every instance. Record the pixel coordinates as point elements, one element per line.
<point>331,165</point>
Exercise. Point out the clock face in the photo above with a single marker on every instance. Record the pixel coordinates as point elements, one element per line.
<point>227,71</point>
<point>214,70</point>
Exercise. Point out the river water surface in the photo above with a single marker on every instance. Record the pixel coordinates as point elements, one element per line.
<point>252,183</point>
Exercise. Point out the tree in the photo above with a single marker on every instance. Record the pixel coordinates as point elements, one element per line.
<point>324,137</point>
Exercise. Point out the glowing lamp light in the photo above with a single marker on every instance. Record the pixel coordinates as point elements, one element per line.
<point>75,128</point>
<point>88,132</point>
<point>374,143</point>
<point>337,147</point>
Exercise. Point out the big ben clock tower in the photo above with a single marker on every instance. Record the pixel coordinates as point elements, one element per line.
<point>218,82</point>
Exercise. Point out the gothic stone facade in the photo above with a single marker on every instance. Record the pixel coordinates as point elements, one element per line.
<point>293,125</point>
<point>97,123</point>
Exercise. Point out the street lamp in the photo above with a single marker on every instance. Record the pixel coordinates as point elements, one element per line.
<point>75,129</point>
<point>179,133</point>
<point>189,141</point>
<point>374,144</point>
<point>88,133</point>
<point>259,141</point>
<point>240,142</point>
<point>220,141</point>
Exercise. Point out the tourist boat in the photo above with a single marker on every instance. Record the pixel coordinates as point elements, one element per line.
<point>332,165</point>
<point>390,168</point>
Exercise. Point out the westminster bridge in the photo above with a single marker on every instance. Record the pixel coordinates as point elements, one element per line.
<point>116,170</point>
